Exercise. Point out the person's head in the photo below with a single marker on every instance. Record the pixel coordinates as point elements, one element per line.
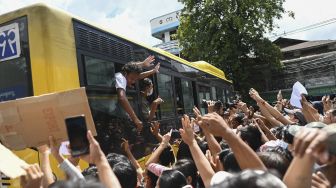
<point>146,86</point>
<point>219,107</point>
<point>150,179</point>
<point>253,179</point>
<point>171,178</point>
<point>188,169</point>
<point>232,107</point>
<point>123,169</point>
<point>230,163</point>
<point>167,157</point>
<point>300,119</point>
<point>131,71</point>
<point>330,117</point>
<point>282,151</point>
<point>277,131</point>
<point>318,105</point>
<point>76,184</point>
<point>274,160</point>
<point>183,152</point>
<point>236,120</point>
<point>252,136</point>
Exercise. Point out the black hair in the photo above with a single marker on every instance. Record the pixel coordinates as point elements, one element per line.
<point>282,151</point>
<point>123,169</point>
<point>277,131</point>
<point>153,178</point>
<point>333,112</point>
<point>172,178</point>
<point>126,174</point>
<point>239,118</point>
<point>131,67</point>
<point>318,105</point>
<point>223,154</point>
<point>91,173</point>
<point>183,152</point>
<point>218,105</point>
<point>274,160</point>
<point>145,83</point>
<point>203,146</point>
<point>252,136</point>
<point>167,156</point>
<point>188,168</point>
<point>286,135</point>
<point>230,163</point>
<point>251,179</point>
<point>76,184</point>
<point>299,116</point>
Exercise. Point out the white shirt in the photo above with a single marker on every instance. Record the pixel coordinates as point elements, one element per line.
<point>121,81</point>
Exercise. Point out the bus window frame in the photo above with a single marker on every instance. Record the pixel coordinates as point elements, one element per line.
<point>25,52</point>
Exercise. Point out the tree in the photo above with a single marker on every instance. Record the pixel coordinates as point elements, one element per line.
<point>230,34</point>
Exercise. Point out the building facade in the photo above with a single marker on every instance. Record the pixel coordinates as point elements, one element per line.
<point>313,63</point>
<point>165,28</point>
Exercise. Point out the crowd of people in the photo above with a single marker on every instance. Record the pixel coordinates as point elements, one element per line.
<point>236,146</point>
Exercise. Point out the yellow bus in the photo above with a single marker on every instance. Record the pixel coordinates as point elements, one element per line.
<point>44,50</point>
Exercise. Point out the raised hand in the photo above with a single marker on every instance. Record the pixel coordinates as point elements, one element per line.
<point>156,68</point>
<point>279,96</point>
<point>215,124</point>
<point>211,106</point>
<point>166,138</point>
<point>33,178</point>
<point>197,113</point>
<point>155,128</point>
<point>311,142</point>
<point>54,146</point>
<point>254,95</point>
<point>125,145</point>
<point>187,133</point>
<point>320,181</point>
<point>96,154</point>
<point>148,61</point>
<point>158,100</point>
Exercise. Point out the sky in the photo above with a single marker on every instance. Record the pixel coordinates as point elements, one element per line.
<point>131,18</point>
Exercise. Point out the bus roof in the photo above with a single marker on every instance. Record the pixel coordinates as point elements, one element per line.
<point>200,65</point>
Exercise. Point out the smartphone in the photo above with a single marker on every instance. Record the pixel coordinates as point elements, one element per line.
<point>77,134</point>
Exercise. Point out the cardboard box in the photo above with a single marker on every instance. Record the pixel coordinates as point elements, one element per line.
<point>28,122</point>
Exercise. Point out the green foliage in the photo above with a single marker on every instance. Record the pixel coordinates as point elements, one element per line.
<point>230,35</point>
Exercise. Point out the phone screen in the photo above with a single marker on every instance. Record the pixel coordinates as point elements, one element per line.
<point>77,134</point>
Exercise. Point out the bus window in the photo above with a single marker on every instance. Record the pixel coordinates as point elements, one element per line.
<point>213,93</point>
<point>220,94</point>
<point>98,72</point>
<point>204,94</point>
<point>15,80</point>
<point>184,96</point>
<point>179,96</point>
<point>166,93</point>
<point>188,99</point>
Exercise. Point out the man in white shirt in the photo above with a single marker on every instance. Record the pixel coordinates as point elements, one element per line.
<point>130,73</point>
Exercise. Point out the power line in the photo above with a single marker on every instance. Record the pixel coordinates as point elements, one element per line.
<point>307,28</point>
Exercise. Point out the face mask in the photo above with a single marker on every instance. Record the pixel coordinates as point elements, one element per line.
<point>150,92</point>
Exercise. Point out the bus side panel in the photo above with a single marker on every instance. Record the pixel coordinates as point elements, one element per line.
<point>52,50</point>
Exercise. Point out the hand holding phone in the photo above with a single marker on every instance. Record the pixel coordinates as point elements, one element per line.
<point>77,134</point>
